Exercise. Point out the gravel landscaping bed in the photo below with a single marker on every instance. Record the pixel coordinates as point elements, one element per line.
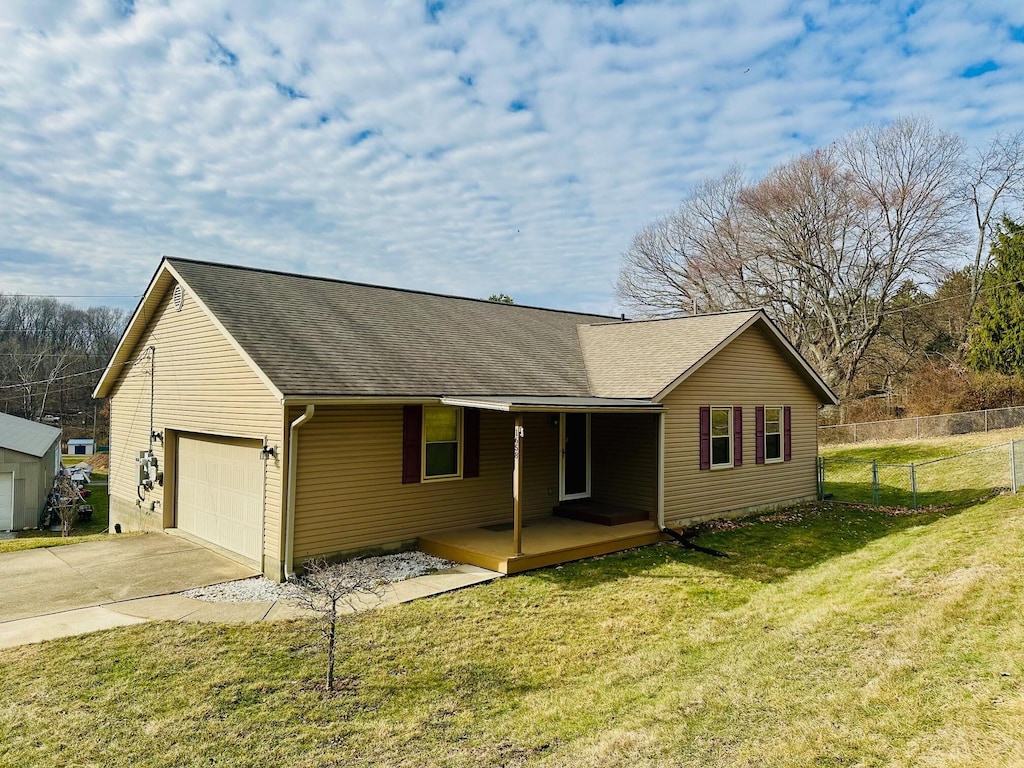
<point>386,568</point>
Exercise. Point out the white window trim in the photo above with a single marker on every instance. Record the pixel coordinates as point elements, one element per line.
<point>424,478</point>
<point>562,496</point>
<point>781,433</point>
<point>729,436</point>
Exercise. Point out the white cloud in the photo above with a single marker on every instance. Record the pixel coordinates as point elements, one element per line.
<point>511,146</point>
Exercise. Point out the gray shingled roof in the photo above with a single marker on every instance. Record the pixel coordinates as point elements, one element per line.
<point>314,336</point>
<point>640,359</point>
<point>26,436</point>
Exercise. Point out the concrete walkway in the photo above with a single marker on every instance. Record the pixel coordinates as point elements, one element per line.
<point>79,588</point>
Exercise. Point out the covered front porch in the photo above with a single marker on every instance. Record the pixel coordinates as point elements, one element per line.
<point>586,481</point>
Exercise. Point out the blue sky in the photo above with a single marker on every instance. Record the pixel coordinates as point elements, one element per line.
<point>459,147</point>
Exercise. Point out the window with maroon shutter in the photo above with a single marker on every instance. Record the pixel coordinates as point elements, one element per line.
<point>705,437</point>
<point>773,438</point>
<point>442,442</point>
<point>721,437</point>
<point>737,436</point>
<point>412,439</point>
<point>788,432</point>
<point>759,434</point>
<point>471,443</point>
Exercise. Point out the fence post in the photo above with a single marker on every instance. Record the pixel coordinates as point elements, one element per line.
<point>855,432</point>
<point>917,427</point>
<point>913,483</point>
<point>821,478</point>
<point>874,481</point>
<point>1013,467</point>
<point>986,420</point>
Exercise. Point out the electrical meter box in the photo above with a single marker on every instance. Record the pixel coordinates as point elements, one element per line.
<point>147,469</point>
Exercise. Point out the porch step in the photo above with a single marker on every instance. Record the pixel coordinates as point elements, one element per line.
<point>602,514</point>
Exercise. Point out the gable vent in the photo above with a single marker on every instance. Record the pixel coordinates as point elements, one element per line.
<point>179,297</point>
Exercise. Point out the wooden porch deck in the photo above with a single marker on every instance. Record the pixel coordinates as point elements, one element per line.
<point>546,541</point>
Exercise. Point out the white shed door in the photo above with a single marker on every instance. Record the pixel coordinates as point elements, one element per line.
<point>6,501</point>
<point>220,492</point>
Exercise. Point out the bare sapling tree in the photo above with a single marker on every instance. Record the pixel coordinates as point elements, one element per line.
<point>66,499</point>
<point>823,243</point>
<point>335,593</point>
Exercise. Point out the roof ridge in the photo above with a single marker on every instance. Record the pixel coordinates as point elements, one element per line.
<point>337,280</point>
<point>618,321</point>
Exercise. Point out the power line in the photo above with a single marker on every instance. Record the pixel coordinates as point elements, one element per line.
<point>62,378</point>
<point>70,296</point>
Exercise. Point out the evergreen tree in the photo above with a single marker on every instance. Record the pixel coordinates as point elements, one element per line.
<point>997,341</point>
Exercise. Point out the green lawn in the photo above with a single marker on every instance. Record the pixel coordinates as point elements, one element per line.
<point>832,636</point>
<point>981,467</point>
<point>94,529</point>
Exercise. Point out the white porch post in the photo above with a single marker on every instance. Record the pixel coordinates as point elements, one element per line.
<point>517,488</point>
<point>661,470</point>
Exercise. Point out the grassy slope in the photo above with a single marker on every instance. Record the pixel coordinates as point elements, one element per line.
<point>836,637</point>
<point>958,480</point>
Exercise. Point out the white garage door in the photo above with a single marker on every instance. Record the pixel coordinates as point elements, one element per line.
<point>6,501</point>
<point>220,492</point>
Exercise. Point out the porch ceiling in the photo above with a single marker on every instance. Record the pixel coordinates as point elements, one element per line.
<point>528,404</point>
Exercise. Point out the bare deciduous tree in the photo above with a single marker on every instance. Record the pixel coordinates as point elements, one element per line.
<point>994,177</point>
<point>823,243</point>
<point>335,592</point>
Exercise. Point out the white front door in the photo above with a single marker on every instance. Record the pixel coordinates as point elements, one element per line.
<point>6,501</point>
<point>574,467</point>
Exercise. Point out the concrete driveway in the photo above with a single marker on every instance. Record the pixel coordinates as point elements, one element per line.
<point>39,582</point>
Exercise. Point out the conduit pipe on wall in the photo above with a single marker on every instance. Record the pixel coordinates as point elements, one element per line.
<point>293,455</point>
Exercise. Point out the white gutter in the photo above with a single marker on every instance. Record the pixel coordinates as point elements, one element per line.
<point>293,455</point>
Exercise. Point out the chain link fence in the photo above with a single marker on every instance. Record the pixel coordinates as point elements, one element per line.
<point>958,479</point>
<point>923,426</point>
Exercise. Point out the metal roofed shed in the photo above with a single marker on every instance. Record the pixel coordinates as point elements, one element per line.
<point>81,446</point>
<point>29,459</point>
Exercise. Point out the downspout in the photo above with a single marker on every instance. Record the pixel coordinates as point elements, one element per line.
<point>289,513</point>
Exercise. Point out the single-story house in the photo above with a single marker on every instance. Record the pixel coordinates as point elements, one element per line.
<point>29,460</point>
<point>81,446</point>
<point>281,417</point>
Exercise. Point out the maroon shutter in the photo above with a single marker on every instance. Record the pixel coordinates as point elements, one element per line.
<point>471,442</point>
<point>737,436</point>
<point>705,437</point>
<point>759,434</point>
<point>787,417</point>
<point>412,442</point>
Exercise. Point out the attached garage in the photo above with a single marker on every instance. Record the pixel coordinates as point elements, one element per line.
<point>219,492</point>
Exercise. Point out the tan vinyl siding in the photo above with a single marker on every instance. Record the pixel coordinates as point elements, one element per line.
<point>624,460</point>
<point>749,372</point>
<point>350,494</point>
<point>202,386</point>
<point>540,465</point>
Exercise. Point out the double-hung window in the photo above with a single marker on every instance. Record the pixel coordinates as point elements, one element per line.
<point>721,437</point>
<point>772,434</point>
<point>442,431</point>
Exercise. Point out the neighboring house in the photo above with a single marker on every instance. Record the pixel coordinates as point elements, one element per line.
<point>291,417</point>
<point>81,446</point>
<point>29,459</point>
